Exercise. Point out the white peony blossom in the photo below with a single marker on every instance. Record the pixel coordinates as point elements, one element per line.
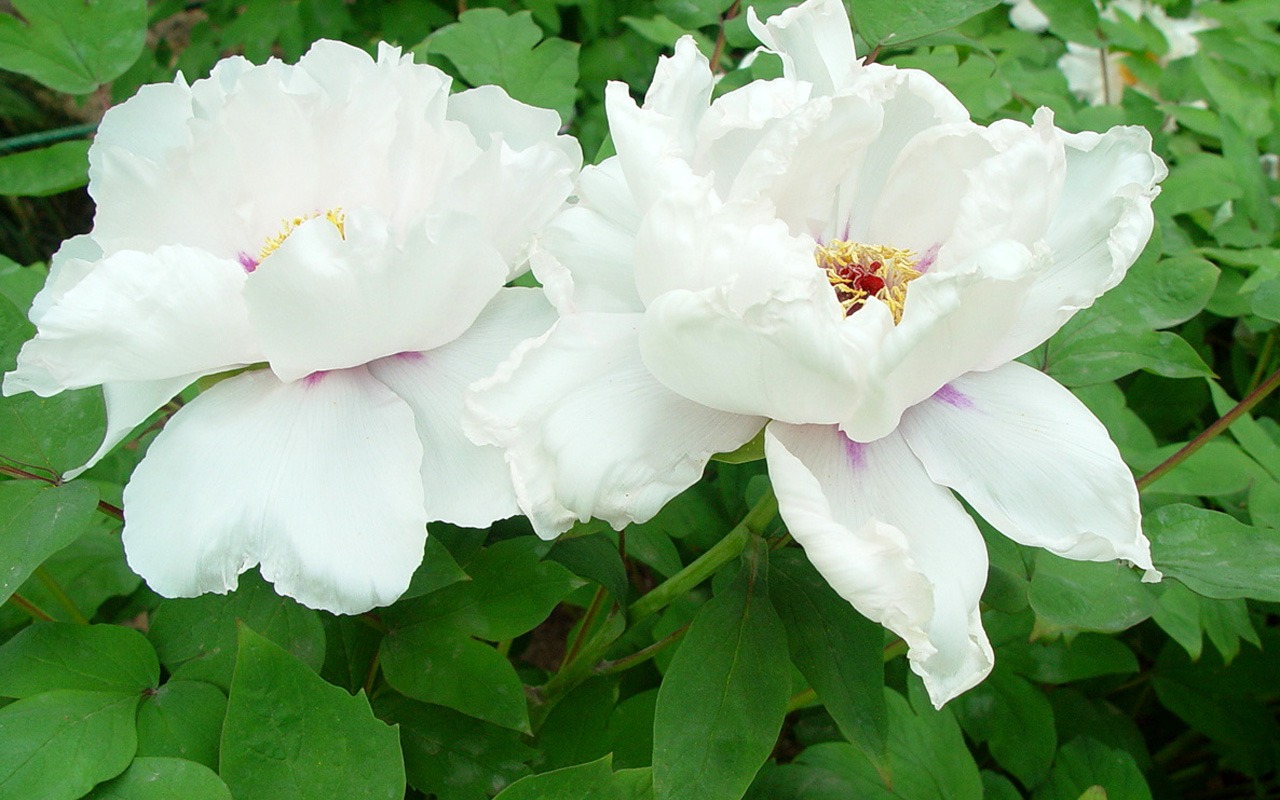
<point>843,257</point>
<point>1099,76</point>
<point>351,225</point>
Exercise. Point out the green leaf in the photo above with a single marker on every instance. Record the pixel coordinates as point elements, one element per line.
<point>182,719</point>
<point>1179,616</point>
<point>1089,595</point>
<point>1227,623</point>
<point>575,731</point>
<point>291,736</point>
<point>1084,763</point>
<point>1162,293</point>
<point>46,171</point>
<point>90,570</point>
<point>722,702</point>
<point>437,570</point>
<point>19,285</point>
<point>58,655</point>
<point>56,433</point>
<point>489,46</point>
<point>450,755</point>
<point>196,637</point>
<point>882,22</point>
<point>1227,703</point>
<point>1092,348</point>
<point>58,745</point>
<point>839,651</point>
<point>350,647</point>
<point>1087,655</point>
<point>434,664</point>
<point>163,779</point>
<point>1016,722</point>
<point>595,558</point>
<point>511,591</point>
<point>1072,20</point>
<point>36,521</point>
<point>630,730</point>
<point>592,781</point>
<point>928,759</point>
<point>691,14</point>
<point>1213,554</point>
<point>73,45</point>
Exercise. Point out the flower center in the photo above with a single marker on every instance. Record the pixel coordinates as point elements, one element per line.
<point>336,216</point>
<point>858,271</point>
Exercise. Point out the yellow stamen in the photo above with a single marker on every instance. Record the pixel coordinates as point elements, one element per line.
<point>859,271</point>
<point>288,226</point>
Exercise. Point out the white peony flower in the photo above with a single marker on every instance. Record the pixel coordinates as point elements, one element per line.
<point>1099,76</point>
<point>842,256</point>
<point>1025,16</point>
<point>351,225</point>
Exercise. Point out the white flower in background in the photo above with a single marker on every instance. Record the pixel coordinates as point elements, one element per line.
<point>351,225</point>
<point>842,256</point>
<point>1098,77</point>
<point>1025,16</point>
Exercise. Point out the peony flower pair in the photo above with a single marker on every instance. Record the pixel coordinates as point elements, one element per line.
<point>838,257</point>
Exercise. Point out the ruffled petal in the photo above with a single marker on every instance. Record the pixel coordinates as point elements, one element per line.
<point>1099,227</point>
<point>785,358</point>
<point>331,299</point>
<point>585,258</point>
<point>897,546</point>
<point>464,483</point>
<point>813,39</point>
<point>74,260</point>
<point>524,175</point>
<point>589,432</point>
<point>1033,461</point>
<point>317,481</point>
<point>139,317</point>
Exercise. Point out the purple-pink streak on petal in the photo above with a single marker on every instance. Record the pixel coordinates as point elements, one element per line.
<point>953,397</point>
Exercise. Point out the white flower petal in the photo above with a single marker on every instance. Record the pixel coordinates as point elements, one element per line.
<point>316,480</point>
<point>914,102</point>
<point>74,260</point>
<point>464,483</point>
<point>589,432</point>
<point>814,41</point>
<point>585,256</point>
<point>897,546</point>
<point>329,300</point>
<point>786,358</point>
<point>139,317</point>
<point>524,175</point>
<point>128,404</point>
<point>951,321</point>
<point>1099,228</point>
<point>681,90</point>
<point>1033,461</point>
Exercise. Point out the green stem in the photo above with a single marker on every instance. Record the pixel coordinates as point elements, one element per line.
<point>706,565</point>
<point>1252,399</point>
<point>34,611</point>
<point>801,700</point>
<point>642,655</point>
<point>895,649</point>
<point>588,621</point>
<point>1264,360</point>
<point>40,138</point>
<point>61,596</point>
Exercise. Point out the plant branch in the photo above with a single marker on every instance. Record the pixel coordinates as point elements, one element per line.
<point>1252,399</point>
<point>61,596</point>
<point>719,48</point>
<point>34,611</point>
<point>724,551</point>
<point>642,655</point>
<point>103,506</point>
